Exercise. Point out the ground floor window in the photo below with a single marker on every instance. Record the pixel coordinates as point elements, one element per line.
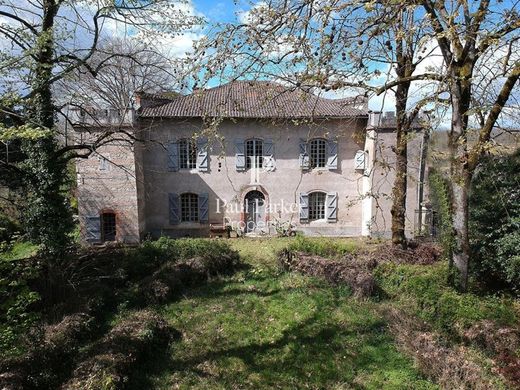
<point>108,227</point>
<point>189,208</point>
<point>317,205</point>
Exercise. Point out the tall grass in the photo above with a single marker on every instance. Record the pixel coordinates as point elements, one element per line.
<point>326,247</point>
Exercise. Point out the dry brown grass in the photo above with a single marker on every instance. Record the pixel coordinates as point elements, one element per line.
<point>110,361</point>
<point>356,275</point>
<point>450,366</point>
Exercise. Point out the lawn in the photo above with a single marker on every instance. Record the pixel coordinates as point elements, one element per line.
<point>266,329</point>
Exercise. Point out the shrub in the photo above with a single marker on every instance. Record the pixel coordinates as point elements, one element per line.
<point>495,223</point>
<point>17,301</point>
<point>440,198</point>
<point>150,255</point>
<point>8,229</point>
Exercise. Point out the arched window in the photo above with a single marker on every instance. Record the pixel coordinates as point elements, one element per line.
<point>108,226</point>
<point>254,152</point>
<point>187,154</point>
<point>318,153</point>
<point>189,207</point>
<point>317,205</point>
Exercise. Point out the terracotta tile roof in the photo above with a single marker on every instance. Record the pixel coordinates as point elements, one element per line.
<point>256,99</point>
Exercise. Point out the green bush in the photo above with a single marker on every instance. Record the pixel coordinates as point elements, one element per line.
<point>17,305</point>
<point>325,247</point>
<point>151,254</point>
<point>425,292</point>
<point>8,229</point>
<point>495,223</point>
<point>440,198</point>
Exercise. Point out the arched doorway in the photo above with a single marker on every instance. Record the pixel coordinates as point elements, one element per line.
<point>255,211</point>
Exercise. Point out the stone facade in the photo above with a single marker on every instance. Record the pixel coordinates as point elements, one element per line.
<point>227,187</point>
<point>143,185</point>
<point>106,183</point>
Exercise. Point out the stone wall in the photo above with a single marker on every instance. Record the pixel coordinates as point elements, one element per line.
<point>107,183</point>
<point>225,185</point>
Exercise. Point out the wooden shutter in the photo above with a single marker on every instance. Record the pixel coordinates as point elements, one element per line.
<point>173,203</point>
<point>331,204</point>
<point>305,162</point>
<point>332,155</point>
<point>202,155</point>
<point>360,160</point>
<point>240,157</point>
<point>173,156</point>
<point>93,228</point>
<point>203,208</point>
<point>269,163</point>
<point>304,207</point>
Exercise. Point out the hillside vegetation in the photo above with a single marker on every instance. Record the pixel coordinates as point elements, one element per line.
<point>197,313</point>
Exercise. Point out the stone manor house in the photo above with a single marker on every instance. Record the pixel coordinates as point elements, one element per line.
<point>254,156</point>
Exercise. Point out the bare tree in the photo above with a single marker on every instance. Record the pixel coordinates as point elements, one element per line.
<point>127,66</point>
<point>329,46</point>
<point>468,35</point>
<point>48,40</point>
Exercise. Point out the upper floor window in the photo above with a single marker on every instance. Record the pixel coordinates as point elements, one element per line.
<point>254,152</point>
<point>318,153</point>
<point>187,154</point>
<point>317,205</point>
<point>189,207</point>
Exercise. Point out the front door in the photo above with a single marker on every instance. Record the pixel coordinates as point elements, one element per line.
<point>255,212</point>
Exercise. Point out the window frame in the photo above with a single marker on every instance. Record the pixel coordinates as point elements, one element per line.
<point>103,226</point>
<point>317,206</point>
<point>187,153</point>
<point>189,207</point>
<point>257,148</point>
<point>317,153</point>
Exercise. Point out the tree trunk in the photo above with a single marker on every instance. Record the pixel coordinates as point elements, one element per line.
<point>398,210</point>
<point>460,171</point>
<point>461,251</point>
<point>47,217</point>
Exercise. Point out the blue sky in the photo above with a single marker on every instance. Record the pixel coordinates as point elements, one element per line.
<point>218,11</point>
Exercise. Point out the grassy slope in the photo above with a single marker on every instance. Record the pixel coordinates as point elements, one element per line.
<point>264,329</point>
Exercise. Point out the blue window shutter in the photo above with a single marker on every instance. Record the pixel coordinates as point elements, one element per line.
<point>332,158</point>
<point>304,207</point>
<point>202,155</point>
<point>173,203</point>
<point>332,207</point>
<point>269,163</point>
<point>173,156</point>
<point>240,157</point>
<point>203,208</point>
<point>93,228</point>
<point>305,161</point>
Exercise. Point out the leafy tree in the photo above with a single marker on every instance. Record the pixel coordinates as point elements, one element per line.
<point>495,222</point>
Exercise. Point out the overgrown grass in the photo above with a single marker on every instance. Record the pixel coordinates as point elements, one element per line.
<point>19,250</point>
<point>265,329</point>
<point>326,247</point>
<point>424,292</point>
